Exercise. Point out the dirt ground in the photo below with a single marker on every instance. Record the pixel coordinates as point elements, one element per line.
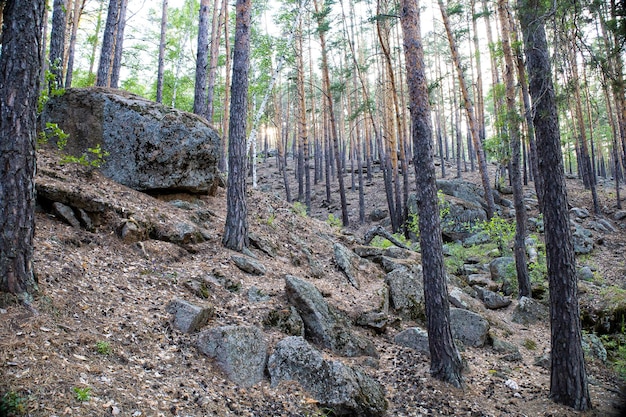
<point>102,327</point>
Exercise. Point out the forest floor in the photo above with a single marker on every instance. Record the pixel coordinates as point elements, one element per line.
<point>101,342</point>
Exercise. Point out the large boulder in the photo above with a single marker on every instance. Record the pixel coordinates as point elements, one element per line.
<point>324,325</point>
<point>470,328</point>
<point>346,391</point>
<point>151,146</point>
<point>406,291</point>
<point>240,352</point>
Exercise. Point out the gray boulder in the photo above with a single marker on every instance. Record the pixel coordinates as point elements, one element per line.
<point>287,320</point>
<point>581,213</point>
<point>324,325</point>
<point>585,273</point>
<point>503,270</point>
<point>346,260</point>
<point>248,265</point>
<point>240,352</point>
<point>593,347</point>
<point>468,327</point>
<point>492,300</point>
<point>346,391</point>
<point>619,215</point>
<point>66,214</point>
<point>406,290</point>
<point>188,317</point>
<point>151,146</point>
<point>529,311</point>
<point>414,338</point>
<point>582,239</point>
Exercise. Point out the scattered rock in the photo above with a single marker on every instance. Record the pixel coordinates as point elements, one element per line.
<point>346,391</point>
<point>131,232</point>
<point>188,318</point>
<point>346,260</point>
<point>593,347</point>
<point>585,273</point>
<point>323,325</point>
<point>502,346</point>
<point>406,290</point>
<point>377,214</point>
<point>460,299</point>
<point>66,214</point>
<point>287,320</point>
<point>262,244</point>
<point>583,240</point>
<point>581,213</point>
<point>492,300</point>
<point>256,295</point>
<point>376,320</point>
<point>619,215</point>
<point>240,352</point>
<point>529,311</point>
<point>397,253</point>
<point>503,270</point>
<point>414,338</point>
<point>248,265</point>
<point>151,146</point>
<point>607,225</point>
<point>476,239</point>
<point>543,361</point>
<point>468,327</point>
<point>369,252</point>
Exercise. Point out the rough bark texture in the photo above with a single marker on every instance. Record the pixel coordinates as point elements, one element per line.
<point>568,379</point>
<point>119,41</point>
<point>103,78</point>
<point>20,63</point>
<point>199,96</point>
<point>236,228</point>
<point>79,5</point>
<point>161,68</point>
<point>469,108</point>
<point>512,120</point>
<point>216,24</point>
<point>57,42</point>
<point>445,359</point>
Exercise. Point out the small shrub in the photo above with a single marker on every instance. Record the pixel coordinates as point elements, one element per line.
<point>299,209</point>
<point>82,394</point>
<point>530,344</point>
<point>499,230</point>
<point>103,347</point>
<point>334,221</point>
<point>12,404</point>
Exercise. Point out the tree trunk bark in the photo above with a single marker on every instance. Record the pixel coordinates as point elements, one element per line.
<point>236,227</point>
<point>20,64</point>
<point>199,95</point>
<point>512,121</point>
<point>214,50</point>
<point>161,68</point>
<point>568,379</point>
<point>223,161</point>
<point>445,360</point>
<point>57,43</point>
<point>103,78</point>
<point>79,5</point>
<point>469,108</point>
<point>119,45</point>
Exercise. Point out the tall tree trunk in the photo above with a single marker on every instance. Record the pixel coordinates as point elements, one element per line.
<point>282,168</point>
<point>57,43</point>
<point>223,161</point>
<point>20,63</point>
<point>445,361</point>
<point>469,108</point>
<point>103,78</point>
<point>236,227</point>
<point>322,25</point>
<point>214,50</point>
<point>94,46</point>
<point>199,94</point>
<point>512,121</point>
<point>79,5</point>
<point>119,45</point>
<point>568,378</point>
<point>162,42</point>
<point>302,125</point>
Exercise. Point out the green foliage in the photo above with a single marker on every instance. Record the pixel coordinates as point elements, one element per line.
<point>103,347</point>
<point>94,158</point>
<point>458,254</point>
<point>499,230</point>
<point>380,242</point>
<point>615,346</point>
<point>300,209</point>
<point>82,394</point>
<point>53,131</point>
<point>44,96</point>
<point>530,344</point>
<point>412,223</point>
<point>334,221</point>
<point>12,404</point>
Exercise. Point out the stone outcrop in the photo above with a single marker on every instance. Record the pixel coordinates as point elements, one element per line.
<point>151,147</point>
<point>240,352</point>
<point>345,390</point>
<point>324,325</point>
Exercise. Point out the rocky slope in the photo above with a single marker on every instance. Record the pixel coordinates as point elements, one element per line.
<point>105,343</point>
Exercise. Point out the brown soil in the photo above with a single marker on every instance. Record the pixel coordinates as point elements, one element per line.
<point>96,288</point>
